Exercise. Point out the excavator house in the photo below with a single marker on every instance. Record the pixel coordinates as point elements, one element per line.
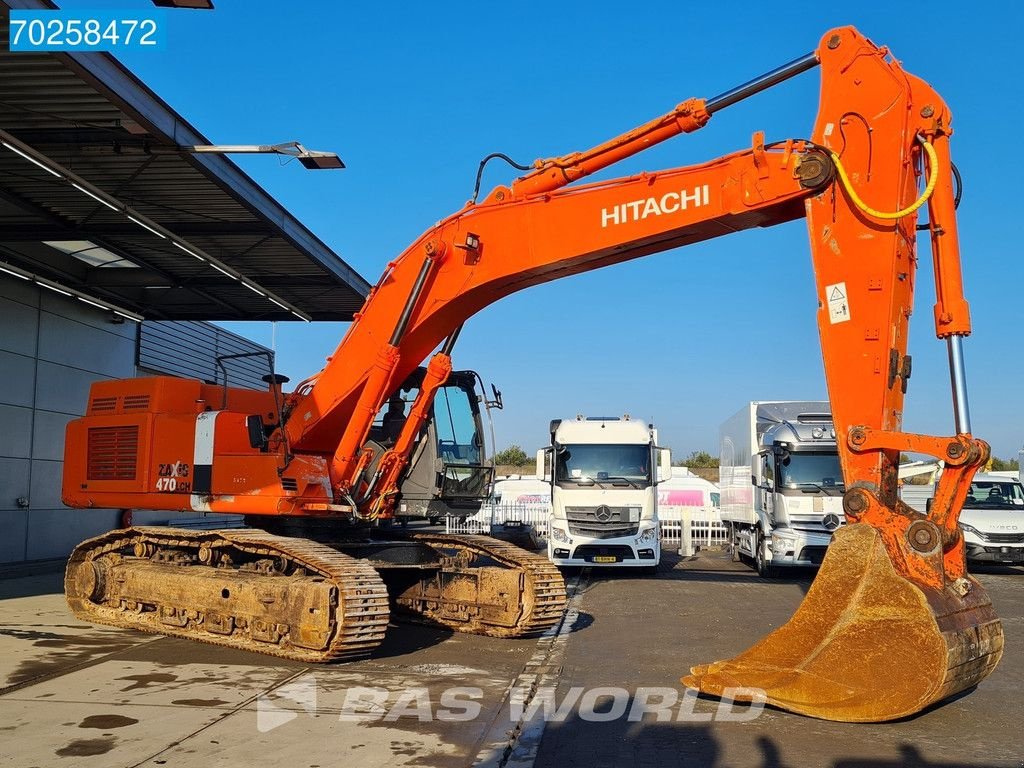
<point>893,621</point>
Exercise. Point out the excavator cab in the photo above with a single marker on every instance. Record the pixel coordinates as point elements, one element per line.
<point>449,472</point>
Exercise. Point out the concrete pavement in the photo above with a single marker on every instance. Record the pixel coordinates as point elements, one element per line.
<point>72,694</point>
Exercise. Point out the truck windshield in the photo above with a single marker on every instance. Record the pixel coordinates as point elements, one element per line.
<point>986,493</point>
<point>629,464</point>
<point>808,470</point>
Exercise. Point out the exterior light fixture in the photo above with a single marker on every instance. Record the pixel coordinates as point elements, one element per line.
<point>186,250</point>
<point>71,293</point>
<point>26,277</point>
<point>95,197</point>
<point>320,161</point>
<point>198,5</point>
<point>31,159</point>
<point>311,159</point>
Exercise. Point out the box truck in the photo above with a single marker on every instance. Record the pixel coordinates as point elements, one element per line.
<point>781,483</point>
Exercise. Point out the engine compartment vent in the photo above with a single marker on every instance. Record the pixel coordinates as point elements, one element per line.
<point>289,484</point>
<point>113,453</point>
<point>135,402</point>
<point>103,405</point>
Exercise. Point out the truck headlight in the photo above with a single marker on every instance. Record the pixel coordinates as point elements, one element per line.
<point>971,529</point>
<point>781,544</point>
<point>557,534</point>
<point>647,536</point>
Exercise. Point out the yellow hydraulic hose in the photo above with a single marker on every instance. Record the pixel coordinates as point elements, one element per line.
<point>933,166</point>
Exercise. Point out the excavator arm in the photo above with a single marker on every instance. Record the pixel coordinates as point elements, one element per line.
<point>874,122</point>
<point>893,596</point>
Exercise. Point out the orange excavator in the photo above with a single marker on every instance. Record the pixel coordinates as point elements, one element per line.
<point>892,623</point>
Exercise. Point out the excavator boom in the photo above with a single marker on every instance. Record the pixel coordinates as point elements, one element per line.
<point>893,622</point>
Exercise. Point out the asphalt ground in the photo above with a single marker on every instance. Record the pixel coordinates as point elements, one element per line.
<point>73,694</point>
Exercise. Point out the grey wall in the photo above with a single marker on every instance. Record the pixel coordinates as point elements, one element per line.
<point>51,349</point>
<point>190,349</point>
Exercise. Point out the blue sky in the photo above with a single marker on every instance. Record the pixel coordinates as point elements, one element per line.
<point>412,95</point>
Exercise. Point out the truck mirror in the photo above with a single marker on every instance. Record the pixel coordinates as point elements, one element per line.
<point>540,464</point>
<point>664,464</point>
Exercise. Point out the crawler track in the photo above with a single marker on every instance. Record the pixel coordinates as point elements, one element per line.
<point>300,599</point>
<point>245,589</point>
<point>487,587</point>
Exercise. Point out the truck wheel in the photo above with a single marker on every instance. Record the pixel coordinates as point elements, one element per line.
<point>764,570</point>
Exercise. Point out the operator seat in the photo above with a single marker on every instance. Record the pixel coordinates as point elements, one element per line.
<point>995,495</point>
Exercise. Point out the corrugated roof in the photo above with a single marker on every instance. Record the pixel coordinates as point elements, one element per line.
<point>89,114</point>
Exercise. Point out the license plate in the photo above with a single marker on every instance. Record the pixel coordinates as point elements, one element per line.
<point>605,559</point>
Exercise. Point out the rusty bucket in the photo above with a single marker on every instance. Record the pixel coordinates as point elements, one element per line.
<point>866,644</point>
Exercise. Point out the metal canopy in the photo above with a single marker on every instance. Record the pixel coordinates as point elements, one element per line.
<point>89,117</point>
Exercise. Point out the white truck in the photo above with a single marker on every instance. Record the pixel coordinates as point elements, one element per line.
<point>781,484</point>
<point>992,518</point>
<point>604,501</point>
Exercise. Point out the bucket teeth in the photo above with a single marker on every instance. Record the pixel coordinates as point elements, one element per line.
<point>866,644</point>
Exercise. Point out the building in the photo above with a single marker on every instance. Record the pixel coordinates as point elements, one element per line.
<point>116,249</point>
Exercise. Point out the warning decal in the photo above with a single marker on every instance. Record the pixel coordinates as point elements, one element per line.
<point>838,304</point>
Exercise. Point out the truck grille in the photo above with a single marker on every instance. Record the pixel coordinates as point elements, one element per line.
<point>603,522</point>
<point>113,453</point>
<point>603,531</point>
<point>810,523</point>
<point>1004,538</point>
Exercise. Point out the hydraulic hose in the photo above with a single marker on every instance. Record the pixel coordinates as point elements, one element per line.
<point>933,166</point>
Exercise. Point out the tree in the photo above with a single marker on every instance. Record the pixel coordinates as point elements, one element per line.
<point>1004,465</point>
<point>513,456</point>
<point>699,459</point>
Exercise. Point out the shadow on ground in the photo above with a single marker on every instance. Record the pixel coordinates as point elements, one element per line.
<point>579,742</point>
<point>48,580</point>
<point>711,566</point>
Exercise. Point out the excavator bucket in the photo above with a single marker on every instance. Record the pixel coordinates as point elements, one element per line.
<point>866,644</point>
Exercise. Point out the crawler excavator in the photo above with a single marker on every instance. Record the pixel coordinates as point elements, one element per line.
<point>892,623</point>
